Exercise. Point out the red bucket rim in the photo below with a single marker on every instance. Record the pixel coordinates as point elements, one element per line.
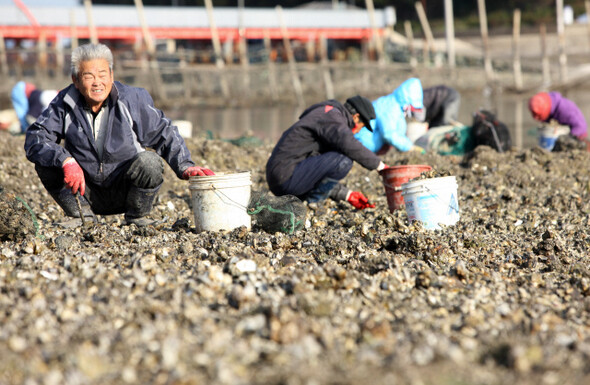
<point>395,168</point>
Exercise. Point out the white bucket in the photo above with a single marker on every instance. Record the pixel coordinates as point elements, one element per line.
<point>432,201</point>
<point>548,135</point>
<point>415,130</point>
<point>220,202</point>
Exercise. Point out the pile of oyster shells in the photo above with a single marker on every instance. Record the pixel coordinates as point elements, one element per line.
<point>354,297</point>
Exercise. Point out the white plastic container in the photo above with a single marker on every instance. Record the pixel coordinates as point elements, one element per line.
<point>432,201</point>
<point>415,130</point>
<point>185,128</point>
<point>220,202</point>
<point>548,135</point>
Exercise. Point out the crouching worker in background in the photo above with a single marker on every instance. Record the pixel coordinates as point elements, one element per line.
<point>316,152</point>
<point>105,127</point>
<point>552,107</point>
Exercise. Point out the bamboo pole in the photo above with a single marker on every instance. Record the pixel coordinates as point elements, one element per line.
<point>42,56</point>
<point>516,50</point>
<point>410,38</point>
<point>272,81</point>
<point>291,58</point>
<point>376,35</point>
<point>3,59</point>
<point>59,55</point>
<point>243,47</point>
<point>544,57</point>
<point>483,24</point>
<point>217,48</point>
<point>156,76</point>
<point>429,38</point>
<point>561,36</point>
<point>91,26</point>
<point>147,38</point>
<point>450,33</point>
<point>73,30</point>
<point>325,68</point>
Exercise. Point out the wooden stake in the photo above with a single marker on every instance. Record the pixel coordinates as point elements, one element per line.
<point>450,32</point>
<point>544,57</point>
<point>217,48</point>
<point>91,27</point>
<point>325,68</point>
<point>429,38</point>
<point>73,30</point>
<point>272,82</point>
<point>3,59</point>
<point>483,25</point>
<point>410,38</point>
<point>376,35</point>
<point>290,58</point>
<point>561,36</point>
<point>516,50</point>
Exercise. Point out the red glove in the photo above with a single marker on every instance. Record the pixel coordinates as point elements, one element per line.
<point>358,200</point>
<point>196,170</point>
<point>74,176</point>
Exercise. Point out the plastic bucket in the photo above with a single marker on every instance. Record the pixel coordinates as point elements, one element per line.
<point>394,177</point>
<point>220,202</point>
<point>432,201</point>
<point>415,130</point>
<point>548,135</point>
<point>185,128</point>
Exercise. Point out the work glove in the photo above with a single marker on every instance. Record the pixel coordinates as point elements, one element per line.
<point>74,176</point>
<point>196,170</point>
<point>358,200</point>
<point>382,166</point>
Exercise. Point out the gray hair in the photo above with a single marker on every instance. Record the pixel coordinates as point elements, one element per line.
<point>89,52</point>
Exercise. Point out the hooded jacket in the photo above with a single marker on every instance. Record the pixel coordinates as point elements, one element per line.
<point>134,124</point>
<point>321,128</point>
<point>390,125</point>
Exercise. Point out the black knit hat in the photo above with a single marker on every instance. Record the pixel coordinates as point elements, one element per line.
<point>365,108</point>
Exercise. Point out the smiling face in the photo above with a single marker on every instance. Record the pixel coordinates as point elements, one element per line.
<point>94,81</point>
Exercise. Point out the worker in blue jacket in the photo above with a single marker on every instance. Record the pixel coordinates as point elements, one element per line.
<point>92,141</point>
<point>389,127</point>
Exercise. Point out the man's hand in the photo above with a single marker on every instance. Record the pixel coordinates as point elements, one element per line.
<point>74,176</point>
<point>195,170</point>
<point>358,200</point>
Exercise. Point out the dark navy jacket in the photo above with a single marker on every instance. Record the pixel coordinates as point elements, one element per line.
<point>133,125</point>
<point>321,128</point>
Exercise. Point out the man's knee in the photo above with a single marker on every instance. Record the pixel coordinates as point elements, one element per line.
<point>342,167</point>
<point>146,170</point>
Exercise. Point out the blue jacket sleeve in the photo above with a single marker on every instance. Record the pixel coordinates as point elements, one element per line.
<point>156,131</point>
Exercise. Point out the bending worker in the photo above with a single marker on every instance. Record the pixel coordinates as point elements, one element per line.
<point>29,102</point>
<point>316,152</point>
<point>442,105</point>
<point>547,106</point>
<point>389,127</point>
<point>105,127</point>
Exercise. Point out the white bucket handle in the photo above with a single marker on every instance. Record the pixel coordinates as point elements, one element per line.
<point>218,191</point>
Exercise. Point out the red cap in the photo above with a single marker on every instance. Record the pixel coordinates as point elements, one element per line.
<point>28,89</point>
<point>540,106</point>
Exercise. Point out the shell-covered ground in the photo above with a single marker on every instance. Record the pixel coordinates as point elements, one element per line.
<point>355,297</point>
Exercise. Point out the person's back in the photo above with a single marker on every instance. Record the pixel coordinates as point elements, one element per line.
<point>442,105</point>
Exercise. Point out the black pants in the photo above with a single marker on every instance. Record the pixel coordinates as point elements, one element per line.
<point>145,171</point>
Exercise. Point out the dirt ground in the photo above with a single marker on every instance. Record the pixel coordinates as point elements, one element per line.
<point>501,297</point>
